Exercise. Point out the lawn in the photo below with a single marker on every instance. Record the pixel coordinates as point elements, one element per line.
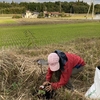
<point>7,20</point>
<point>32,35</point>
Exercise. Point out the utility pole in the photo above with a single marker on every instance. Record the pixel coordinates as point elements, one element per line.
<point>60,6</point>
<point>92,4</point>
<point>88,11</point>
<point>93,10</point>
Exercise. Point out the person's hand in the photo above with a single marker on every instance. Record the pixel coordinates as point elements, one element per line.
<point>48,88</point>
<point>46,83</point>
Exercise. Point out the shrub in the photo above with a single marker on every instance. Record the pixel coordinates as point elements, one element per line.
<point>16,16</point>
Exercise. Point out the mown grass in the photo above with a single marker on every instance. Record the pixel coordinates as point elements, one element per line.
<point>32,35</point>
<point>7,21</point>
<point>7,15</point>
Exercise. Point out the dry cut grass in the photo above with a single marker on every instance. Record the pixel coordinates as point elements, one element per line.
<point>20,76</point>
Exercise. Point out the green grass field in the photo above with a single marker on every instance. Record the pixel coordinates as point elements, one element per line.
<point>32,35</point>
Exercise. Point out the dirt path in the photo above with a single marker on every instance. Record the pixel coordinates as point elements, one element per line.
<point>47,21</point>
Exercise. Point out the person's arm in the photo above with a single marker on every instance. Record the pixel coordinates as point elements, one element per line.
<point>63,79</point>
<point>49,75</point>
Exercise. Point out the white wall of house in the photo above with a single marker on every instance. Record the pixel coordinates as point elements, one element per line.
<point>33,16</point>
<point>29,14</point>
<point>97,16</point>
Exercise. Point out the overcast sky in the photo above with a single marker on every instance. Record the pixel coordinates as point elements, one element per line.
<point>88,1</point>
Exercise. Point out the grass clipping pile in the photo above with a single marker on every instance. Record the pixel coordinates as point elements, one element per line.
<point>20,76</point>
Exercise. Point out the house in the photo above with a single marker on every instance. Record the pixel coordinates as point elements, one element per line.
<point>51,14</point>
<point>55,14</point>
<point>30,14</point>
<point>97,16</point>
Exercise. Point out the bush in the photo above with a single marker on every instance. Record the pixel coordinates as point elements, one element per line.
<point>16,16</point>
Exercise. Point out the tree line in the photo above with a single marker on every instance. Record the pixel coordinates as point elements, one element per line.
<point>78,7</point>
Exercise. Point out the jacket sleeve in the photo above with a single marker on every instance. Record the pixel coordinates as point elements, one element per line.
<point>49,75</point>
<point>63,79</point>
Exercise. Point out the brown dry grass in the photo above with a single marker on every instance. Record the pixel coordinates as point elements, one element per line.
<point>4,21</point>
<point>20,76</point>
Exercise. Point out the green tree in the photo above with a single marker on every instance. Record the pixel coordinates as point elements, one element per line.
<point>97,8</point>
